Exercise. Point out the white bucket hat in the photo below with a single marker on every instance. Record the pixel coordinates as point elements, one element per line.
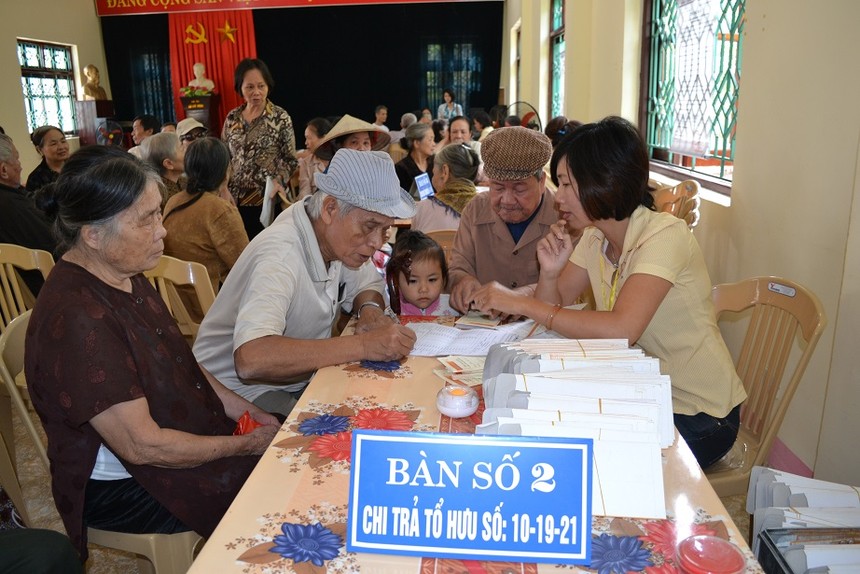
<point>366,179</point>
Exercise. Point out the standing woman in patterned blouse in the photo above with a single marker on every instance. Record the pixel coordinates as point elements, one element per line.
<point>261,140</point>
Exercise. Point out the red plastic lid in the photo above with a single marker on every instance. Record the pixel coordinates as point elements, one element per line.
<point>709,555</point>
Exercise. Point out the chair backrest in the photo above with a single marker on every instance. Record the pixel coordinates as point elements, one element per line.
<point>11,365</point>
<point>781,310</point>
<point>445,239</point>
<point>682,201</point>
<point>172,272</point>
<point>15,296</point>
<point>397,152</point>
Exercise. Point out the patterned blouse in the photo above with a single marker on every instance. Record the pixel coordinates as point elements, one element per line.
<point>264,147</point>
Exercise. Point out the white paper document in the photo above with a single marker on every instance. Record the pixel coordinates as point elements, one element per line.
<point>434,340</point>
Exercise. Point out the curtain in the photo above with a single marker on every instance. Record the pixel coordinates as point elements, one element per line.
<point>452,63</point>
<point>219,40</point>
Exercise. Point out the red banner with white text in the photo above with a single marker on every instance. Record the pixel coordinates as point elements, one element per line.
<point>218,40</point>
<point>126,7</point>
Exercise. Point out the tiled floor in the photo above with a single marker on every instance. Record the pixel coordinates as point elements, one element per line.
<point>37,492</point>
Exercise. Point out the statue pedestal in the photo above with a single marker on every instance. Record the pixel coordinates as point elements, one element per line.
<point>91,114</point>
<point>202,108</point>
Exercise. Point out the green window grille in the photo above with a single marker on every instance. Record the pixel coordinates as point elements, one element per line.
<point>48,83</point>
<point>694,71</point>
<point>556,41</point>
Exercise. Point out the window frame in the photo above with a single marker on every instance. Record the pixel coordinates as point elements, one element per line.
<point>556,36</point>
<point>52,73</point>
<point>661,164</point>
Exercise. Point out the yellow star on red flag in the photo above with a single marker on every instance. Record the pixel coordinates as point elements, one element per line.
<point>227,32</point>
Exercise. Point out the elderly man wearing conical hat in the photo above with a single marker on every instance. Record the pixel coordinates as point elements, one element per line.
<point>500,229</point>
<point>270,326</point>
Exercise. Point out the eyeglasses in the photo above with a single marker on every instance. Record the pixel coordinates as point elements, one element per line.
<point>190,137</point>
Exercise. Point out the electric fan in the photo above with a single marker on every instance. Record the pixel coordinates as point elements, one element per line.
<point>109,133</point>
<point>528,115</point>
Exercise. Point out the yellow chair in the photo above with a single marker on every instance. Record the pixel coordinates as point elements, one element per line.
<point>781,310</point>
<point>15,297</point>
<point>11,365</point>
<point>445,239</point>
<point>682,201</point>
<point>397,152</point>
<point>164,553</point>
<point>172,272</point>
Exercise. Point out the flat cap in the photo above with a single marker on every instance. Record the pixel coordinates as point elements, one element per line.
<point>514,153</point>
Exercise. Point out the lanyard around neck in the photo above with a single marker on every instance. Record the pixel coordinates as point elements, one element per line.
<point>613,290</point>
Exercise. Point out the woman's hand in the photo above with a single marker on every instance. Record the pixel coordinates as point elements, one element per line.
<point>276,189</point>
<point>263,417</point>
<point>554,250</point>
<point>496,299</point>
<point>261,437</point>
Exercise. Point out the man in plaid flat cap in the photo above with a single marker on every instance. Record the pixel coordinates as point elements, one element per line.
<point>270,326</point>
<point>499,230</point>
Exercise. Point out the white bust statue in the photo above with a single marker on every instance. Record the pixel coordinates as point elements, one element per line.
<point>200,80</point>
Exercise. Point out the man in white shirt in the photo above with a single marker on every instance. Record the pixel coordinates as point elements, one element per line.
<point>141,128</point>
<point>381,113</point>
<point>406,120</point>
<point>270,326</point>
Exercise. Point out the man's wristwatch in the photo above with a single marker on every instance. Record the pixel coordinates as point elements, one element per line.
<point>387,311</point>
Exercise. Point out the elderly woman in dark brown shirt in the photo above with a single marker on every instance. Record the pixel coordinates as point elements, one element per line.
<point>139,436</point>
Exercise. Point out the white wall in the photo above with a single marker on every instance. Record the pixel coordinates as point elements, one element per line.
<point>71,22</point>
<point>796,176</point>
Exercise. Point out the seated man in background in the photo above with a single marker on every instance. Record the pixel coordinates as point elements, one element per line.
<point>381,116</point>
<point>270,327</point>
<point>406,120</point>
<point>142,127</point>
<point>499,230</point>
<point>21,223</point>
<point>460,131</point>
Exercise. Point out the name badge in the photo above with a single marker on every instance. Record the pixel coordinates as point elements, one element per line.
<point>526,499</point>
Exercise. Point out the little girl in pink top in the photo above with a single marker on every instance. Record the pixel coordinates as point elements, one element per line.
<point>416,274</point>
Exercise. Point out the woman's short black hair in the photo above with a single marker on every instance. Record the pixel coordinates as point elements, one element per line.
<point>439,127</point>
<point>609,161</point>
<point>450,92</point>
<point>482,118</point>
<point>246,66</point>
<point>206,163</point>
<point>95,184</point>
<point>320,125</point>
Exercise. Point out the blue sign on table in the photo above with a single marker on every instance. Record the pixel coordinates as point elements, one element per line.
<point>526,499</point>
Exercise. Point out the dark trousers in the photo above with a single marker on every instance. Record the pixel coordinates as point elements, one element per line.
<point>710,438</point>
<point>124,506</point>
<point>36,551</point>
<point>251,219</point>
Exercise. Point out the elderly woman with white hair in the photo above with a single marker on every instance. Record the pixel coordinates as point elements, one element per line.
<point>454,171</point>
<point>165,153</point>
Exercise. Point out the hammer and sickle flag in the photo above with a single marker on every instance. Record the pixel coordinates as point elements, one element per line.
<point>197,36</point>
